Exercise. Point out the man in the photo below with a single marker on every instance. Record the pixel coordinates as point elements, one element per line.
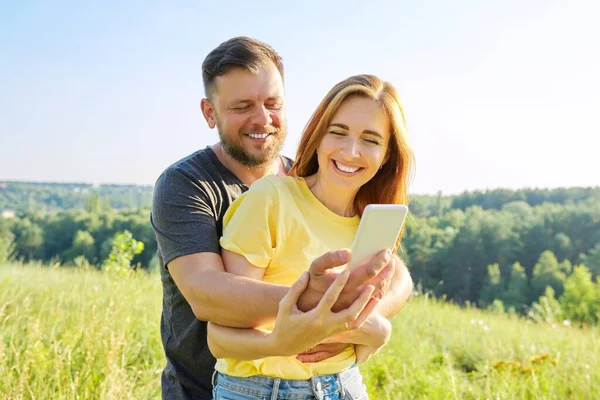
<point>243,81</point>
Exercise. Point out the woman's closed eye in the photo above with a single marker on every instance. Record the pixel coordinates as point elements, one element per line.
<point>372,141</point>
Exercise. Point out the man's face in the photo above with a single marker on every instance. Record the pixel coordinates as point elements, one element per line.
<point>248,111</point>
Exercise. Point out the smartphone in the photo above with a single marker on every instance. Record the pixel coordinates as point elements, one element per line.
<point>379,228</point>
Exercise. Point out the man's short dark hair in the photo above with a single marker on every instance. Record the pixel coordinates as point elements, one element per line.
<point>239,51</point>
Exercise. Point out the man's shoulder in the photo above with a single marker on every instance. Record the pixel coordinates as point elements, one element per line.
<point>200,160</point>
<point>198,169</point>
<point>288,162</point>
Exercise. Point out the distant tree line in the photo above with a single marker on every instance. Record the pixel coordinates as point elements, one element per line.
<point>66,235</point>
<point>534,252</point>
<point>497,198</point>
<point>45,198</point>
<point>507,258</point>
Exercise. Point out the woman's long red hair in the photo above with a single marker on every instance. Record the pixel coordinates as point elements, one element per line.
<point>390,183</point>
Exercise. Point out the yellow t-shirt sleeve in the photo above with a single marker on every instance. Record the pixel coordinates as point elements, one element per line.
<point>250,224</point>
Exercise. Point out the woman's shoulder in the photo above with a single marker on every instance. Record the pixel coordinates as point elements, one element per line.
<point>277,184</point>
<point>268,192</point>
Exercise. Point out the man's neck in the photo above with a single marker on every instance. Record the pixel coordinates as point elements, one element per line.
<point>248,175</point>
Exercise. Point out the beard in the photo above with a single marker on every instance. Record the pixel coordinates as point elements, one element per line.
<point>233,145</point>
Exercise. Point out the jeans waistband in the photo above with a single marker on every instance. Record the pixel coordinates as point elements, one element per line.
<point>264,386</point>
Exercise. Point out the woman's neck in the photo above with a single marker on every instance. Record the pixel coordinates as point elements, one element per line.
<point>339,202</point>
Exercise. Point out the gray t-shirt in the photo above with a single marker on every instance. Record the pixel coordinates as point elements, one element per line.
<point>190,199</point>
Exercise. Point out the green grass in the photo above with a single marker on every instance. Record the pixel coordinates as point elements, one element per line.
<point>77,334</point>
<point>439,351</point>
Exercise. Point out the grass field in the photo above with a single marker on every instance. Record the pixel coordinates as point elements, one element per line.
<point>78,334</point>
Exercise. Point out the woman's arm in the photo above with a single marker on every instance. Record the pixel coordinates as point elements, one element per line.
<point>239,343</point>
<point>294,330</point>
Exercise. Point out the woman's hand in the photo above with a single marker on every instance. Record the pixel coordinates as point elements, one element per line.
<point>295,331</point>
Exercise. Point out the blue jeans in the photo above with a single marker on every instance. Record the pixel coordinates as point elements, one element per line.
<point>346,385</point>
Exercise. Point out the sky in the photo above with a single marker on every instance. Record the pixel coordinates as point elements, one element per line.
<point>498,93</point>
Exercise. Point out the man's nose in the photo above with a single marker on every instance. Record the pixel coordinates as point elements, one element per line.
<point>261,116</point>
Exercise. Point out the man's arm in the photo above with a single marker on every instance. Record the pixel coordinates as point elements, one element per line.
<point>184,220</point>
<point>215,295</point>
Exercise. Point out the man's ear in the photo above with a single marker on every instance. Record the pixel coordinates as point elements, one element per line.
<point>209,112</point>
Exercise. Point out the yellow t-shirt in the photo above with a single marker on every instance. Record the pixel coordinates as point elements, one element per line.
<point>279,225</point>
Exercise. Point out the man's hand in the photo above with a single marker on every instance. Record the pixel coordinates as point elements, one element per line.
<point>321,352</point>
<point>377,272</point>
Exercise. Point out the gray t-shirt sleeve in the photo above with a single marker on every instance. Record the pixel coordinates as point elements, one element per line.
<point>182,217</point>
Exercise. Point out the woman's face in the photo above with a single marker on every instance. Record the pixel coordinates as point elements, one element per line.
<point>355,144</point>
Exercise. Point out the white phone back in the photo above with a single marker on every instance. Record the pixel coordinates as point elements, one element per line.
<point>379,228</point>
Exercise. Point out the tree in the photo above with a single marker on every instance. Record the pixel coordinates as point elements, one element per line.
<point>5,228</point>
<point>547,308</point>
<point>7,242</point>
<point>592,260</point>
<point>124,248</point>
<point>421,243</point>
<point>83,245</point>
<point>563,247</point>
<point>497,307</point>
<point>96,204</point>
<point>566,267</point>
<point>464,270</point>
<point>581,298</point>
<point>519,208</point>
<point>7,250</point>
<point>493,287</point>
<point>516,289</point>
<point>29,240</point>
<point>59,231</point>
<point>535,239</point>
<point>547,273</point>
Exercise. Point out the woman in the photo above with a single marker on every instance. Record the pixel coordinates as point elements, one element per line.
<point>353,152</point>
